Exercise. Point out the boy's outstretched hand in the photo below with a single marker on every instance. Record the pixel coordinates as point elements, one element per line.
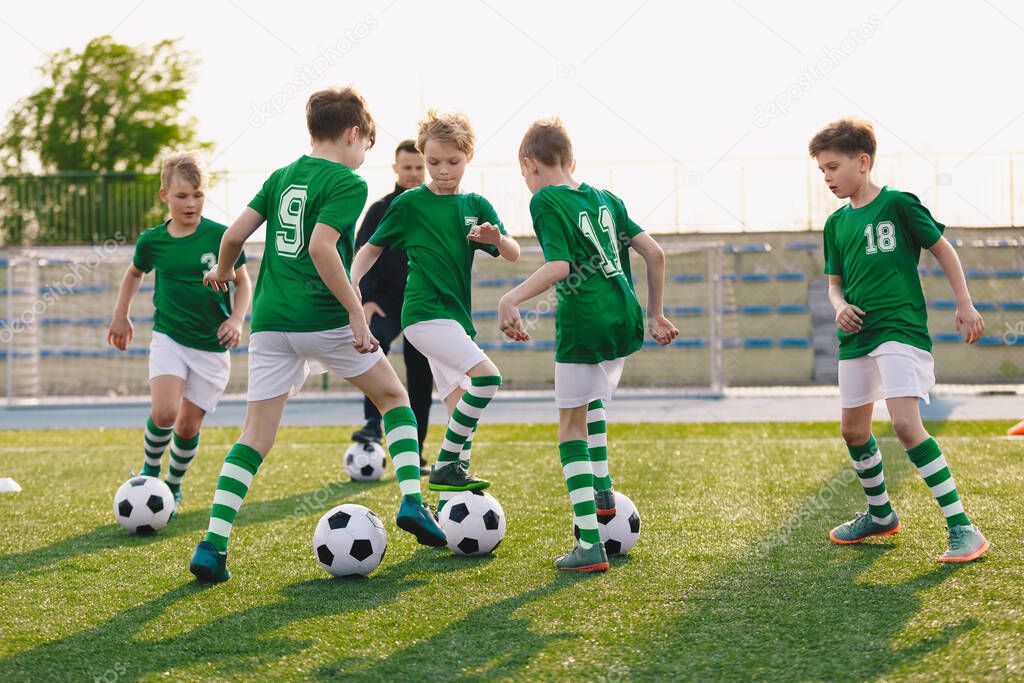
<point>120,333</point>
<point>970,323</point>
<point>662,329</point>
<point>510,322</point>
<point>485,233</point>
<point>217,280</point>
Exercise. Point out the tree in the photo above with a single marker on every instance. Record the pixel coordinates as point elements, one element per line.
<point>109,108</point>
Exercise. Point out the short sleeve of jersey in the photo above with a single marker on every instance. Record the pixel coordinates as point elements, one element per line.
<point>489,215</point>
<point>143,259</point>
<point>260,202</point>
<point>552,231</point>
<point>924,229</point>
<point>833,260</point>
<point>343,203</point>
<point>389,231</point>
<point>627,228</point>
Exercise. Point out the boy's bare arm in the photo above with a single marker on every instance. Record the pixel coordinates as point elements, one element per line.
<point>661,329</point>
<point>508,248</point>
<point>323,250</point>
<point>229,334</point>
<point>509,320</point>
<point>849,318</point>
<point>364,260</point>
<point>121,330</point>
<point>231,247</point>
<point>486,233</point>
<point>968,320</point>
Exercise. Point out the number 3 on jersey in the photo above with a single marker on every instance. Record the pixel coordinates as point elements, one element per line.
<point>610,264</point>
<point>290,238</point>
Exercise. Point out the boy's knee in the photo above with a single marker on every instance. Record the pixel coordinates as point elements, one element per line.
<point>907,430</point>
<point>855,435</point>
<point>186,429</point>
<point>164,417</point>
<point>391,398</point>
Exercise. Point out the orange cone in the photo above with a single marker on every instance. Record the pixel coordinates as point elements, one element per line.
<point>1017,429</point>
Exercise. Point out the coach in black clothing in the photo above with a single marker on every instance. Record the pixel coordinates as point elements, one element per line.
<point>383,290</point>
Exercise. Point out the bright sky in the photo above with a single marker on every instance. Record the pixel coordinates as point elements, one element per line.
<point>678,84</point>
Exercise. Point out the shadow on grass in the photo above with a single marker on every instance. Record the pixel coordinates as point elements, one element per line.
<point>192,523</point>
<point>245,641</point>
<point>800,608</point>
<point>489,643</point>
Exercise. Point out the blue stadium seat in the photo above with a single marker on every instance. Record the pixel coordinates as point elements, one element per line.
<point>794,276</point>
<point>792,309</point>
<point>755,248</point>
<point>689,277</point>
<point>755,277</point>
<point>756,310</point>
<point>802,246</point>
<point>686,311</point>
<point>500,282</point>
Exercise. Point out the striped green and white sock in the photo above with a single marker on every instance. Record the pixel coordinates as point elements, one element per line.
<point>928,458</point>
<point>155,440</point>
<point>404,447</point>
<point>467,450</point>
<point>466,416</point>
<point>235,479</point>
<point>867,463</point>
<point>579,477</point>
<point>182,453</point>
<point>597,443</point>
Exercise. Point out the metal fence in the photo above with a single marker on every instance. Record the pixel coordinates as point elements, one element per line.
<point>77,208</point>
<point>744,305</point>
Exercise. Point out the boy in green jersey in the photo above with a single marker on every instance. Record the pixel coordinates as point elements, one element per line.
<point>441,228</point>
<point>193,327</point>
<point>872,246</point>
<point>585,234</point>
<point>307,316</point>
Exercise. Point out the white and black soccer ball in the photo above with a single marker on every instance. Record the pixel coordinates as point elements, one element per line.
<point>349,540</point>
<point>143,505</point>
<point>365,461</point>
<point>474,523</point>
<point>620,532</point>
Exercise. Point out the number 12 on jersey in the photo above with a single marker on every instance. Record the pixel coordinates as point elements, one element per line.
<point>610,264</point>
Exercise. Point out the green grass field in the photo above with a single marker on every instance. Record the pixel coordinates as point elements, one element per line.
<point>733,578</point>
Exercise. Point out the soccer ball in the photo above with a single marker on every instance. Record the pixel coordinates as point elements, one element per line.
<point>350,540</point>
<point>365,461</point>
<point>620,532</point>
<point>474,523</point>
<point>143,505</point>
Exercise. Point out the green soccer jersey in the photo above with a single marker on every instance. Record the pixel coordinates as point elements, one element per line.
<point>599,317</point>
<point>185,310</point>
<point>876,248</point>
<point>290,296</point>
<point>431,228</point>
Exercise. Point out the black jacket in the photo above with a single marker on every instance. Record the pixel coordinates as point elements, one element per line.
<point>384,284</point>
